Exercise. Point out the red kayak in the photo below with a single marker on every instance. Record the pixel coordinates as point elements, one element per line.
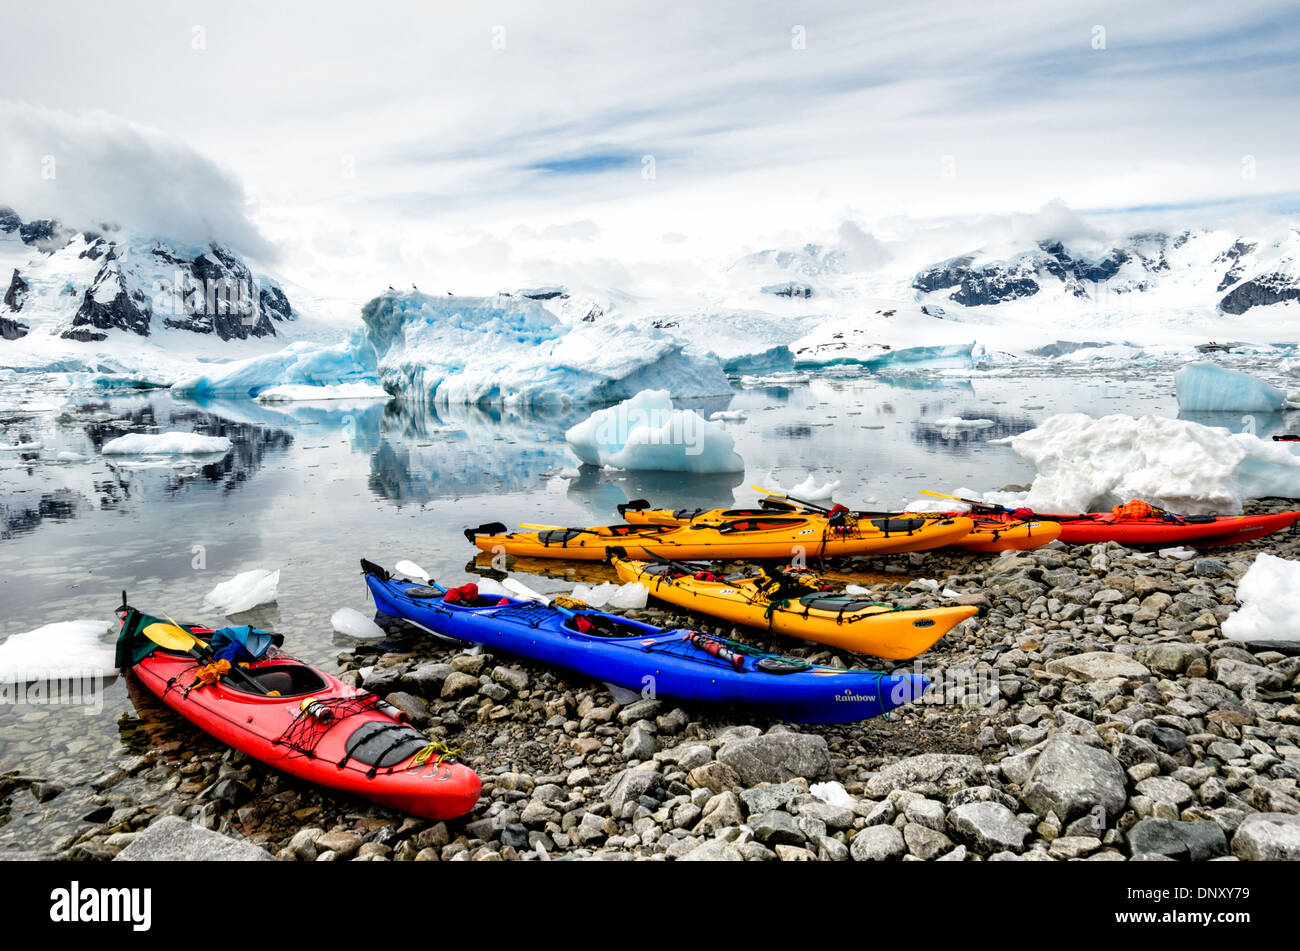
<point>1201,531</point>
<point>311,725</point>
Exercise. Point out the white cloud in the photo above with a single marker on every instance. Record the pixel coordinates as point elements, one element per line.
<point>95,168</point>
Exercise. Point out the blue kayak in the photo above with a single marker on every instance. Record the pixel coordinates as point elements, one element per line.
<point>683,664</point>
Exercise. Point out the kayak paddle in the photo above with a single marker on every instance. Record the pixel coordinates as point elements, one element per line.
<point>176,638</point>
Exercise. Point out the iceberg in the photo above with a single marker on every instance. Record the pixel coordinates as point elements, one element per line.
<point>243,592</point>
<point>1205,386</point>
<point>1085,464</point>
<point>1269,593</point>
<point>165,444</point>
<point>298,392</point>
<point>514,352</point>
<point>59,650</point>
<point>645,432</point>
<point>302,363</point>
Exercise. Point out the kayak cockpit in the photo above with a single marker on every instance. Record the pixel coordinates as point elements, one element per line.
<point>286,680</point>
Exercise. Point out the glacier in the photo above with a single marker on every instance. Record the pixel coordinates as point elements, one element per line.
<point>1205,386</point>
<point>645,432</point>
<point>1084,464</point>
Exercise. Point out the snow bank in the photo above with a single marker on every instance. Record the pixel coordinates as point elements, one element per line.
<point>243,592</point>
<point>1086,464</point>
<point>297,392</point>
<point>62,649</point>
<point>645,432</point>
<point>353,623</point>
<point>172,444</point>
<point>515,352</point>
<point>1270,602</point>
<point>1207,387</point>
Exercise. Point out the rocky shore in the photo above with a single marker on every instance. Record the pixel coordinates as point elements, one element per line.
<point>1092,710</point>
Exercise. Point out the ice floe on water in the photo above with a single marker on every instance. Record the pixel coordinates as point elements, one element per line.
<point>957,423</point>
<point>808,489</point>
<point>243,592</point>
<point>353,623</point>
<point>1207,387</point>
<point>1269,593</point>
<point>61,649</point>
<point>1085,464</point>
<point>165,444</point>
<point>646,432</point>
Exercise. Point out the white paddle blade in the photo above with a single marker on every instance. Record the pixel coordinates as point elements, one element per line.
<point>412,570</point>
<point>521,589</point>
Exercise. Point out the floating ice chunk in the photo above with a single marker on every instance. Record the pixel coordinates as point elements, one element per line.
<point>1269,593</point>
<point>1207,387</point>
<point>645,432</point>
<point>570,474</point>
<point>1180,553</point>
<point>353,623</point>
<point>173,443</point>
<point>1086,464</point>
<point>810,490</point>
<point>832,793</point>
<point>298,392</point>
<point>68,456</point>
<point>59,650</point>
<point>956,422</point>
<point>243,592</point>
<point>728,416</point>
<point>20,447</point>
<point>630,597</point>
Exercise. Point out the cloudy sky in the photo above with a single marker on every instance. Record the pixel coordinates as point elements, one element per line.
<point>356,143</point>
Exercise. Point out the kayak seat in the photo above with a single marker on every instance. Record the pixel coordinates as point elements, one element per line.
<point>289,680</point>
<point>688,514</point>
<point>559,536</point>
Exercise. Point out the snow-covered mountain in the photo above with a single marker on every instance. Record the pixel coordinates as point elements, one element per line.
<point>1208,270</point>
<point>85,285</point>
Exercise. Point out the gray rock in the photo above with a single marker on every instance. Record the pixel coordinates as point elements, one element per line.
<point>877,844</point>
<point>1268,837</point>
<point>629,786</point>
<point>714,850</point>
<point>639,744</point>
<point>412,706</point>
<point>1195,841</point>
<point>1164,789</point>
<point>640,710</point>
<point>926,812</point>
<point>834,817</point>
<point>925,843</point>
<point>777,828</point>
<point>515,680</point>
<point>987,828</point>
<point>720,812</point>
<point>765,798</point>
<point>1070,778</point>
<point>1097,665</point>
<point>428,678</point>
<point>931,774</point>
<point>172,839</point>
<point>777,757</point>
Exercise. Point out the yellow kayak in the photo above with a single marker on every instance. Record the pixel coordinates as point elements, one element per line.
<point>793,603</point>
<point>988,534</point>
<point>763,536</point>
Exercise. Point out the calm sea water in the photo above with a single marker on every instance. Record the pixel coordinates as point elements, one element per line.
<point>312,488</point>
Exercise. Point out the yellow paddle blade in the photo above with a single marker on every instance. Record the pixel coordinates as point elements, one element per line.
<point>171,636</point>
<point>772,492</point>
<point>940,495</point>
<point>537,527</point>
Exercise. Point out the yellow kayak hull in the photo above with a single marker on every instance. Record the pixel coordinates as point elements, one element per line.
<point>775,537</point>
<point>987,535</point>
<point>879,630</point>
